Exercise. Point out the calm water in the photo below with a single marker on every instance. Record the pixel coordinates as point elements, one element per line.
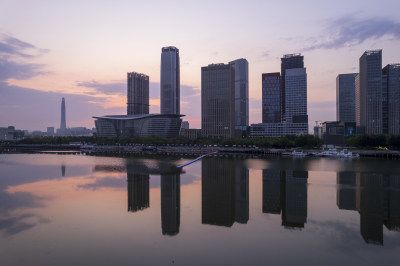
<point>83,210</point>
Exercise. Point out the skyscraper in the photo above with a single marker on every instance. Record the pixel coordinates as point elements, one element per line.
<point>296,95</point>
<point>391,73</point>
<point>218,100</point>
<point>346,97</point>
<point>138,93</point>
<point>271,97</point>
<point>288,61</point>
<point>170,81</point>
<point>369,113</point>
<point>292,100</point>
<point>241,67</point>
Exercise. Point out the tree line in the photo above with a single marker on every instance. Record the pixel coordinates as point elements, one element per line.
<point>304,141</point>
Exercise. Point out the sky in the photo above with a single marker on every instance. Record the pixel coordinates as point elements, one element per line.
<point>82,50</point>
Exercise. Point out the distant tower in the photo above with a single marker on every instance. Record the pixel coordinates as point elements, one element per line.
<point>138,93</point>
<point>63,125</point>
<point>170,81</point>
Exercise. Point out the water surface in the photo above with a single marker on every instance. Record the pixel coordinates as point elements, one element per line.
<point>86,210</point>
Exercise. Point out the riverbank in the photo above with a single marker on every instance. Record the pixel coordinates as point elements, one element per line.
<point>188,150</point>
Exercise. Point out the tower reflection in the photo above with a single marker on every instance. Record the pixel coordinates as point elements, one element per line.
<point>225,192</point>
<point>285,191</point>
<point>170,203</point>
<point>138,192</point>
<point>377,199</point>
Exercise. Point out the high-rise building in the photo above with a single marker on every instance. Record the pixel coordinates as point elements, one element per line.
<point>296,96</point>
<point>138,93</point>
<point>271,97</point>
<point>63,124</point>
<point>170,81</point>
<point>241,67</point>
<point>391,78</point>
<point>369,111</point>
<point>288,61</point>
<point>346,97</point>
<point>292,101</point>
<point>218,100</point>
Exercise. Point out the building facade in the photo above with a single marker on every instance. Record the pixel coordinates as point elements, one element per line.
<point>241,68</point>
<point>369,114</point>
<point>296,96</point>
<point>137,93</point>
<point>277,130</point>
<point>146,125</point>
<point>288,61</point>
<point>170,81</point>
<point>346,97</point>
<point>391,78</point>
<point>271,97</point>
<point>218,100</point>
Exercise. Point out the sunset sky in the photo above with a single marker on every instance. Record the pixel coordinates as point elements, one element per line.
<point>82,50</point>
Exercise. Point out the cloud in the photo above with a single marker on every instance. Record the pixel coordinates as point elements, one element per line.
<point>349,31</point>
<point>20,71</point>
<point>106,88</point>
<point>33,109</point>
<point>11,46</point>
<point>107,182</point>
<point>189,91</point>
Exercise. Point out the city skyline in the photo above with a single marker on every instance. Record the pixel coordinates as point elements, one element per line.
<point>41,65</point>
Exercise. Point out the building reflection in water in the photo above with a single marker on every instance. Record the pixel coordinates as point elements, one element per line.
<point>377,199</point>
<point>285,192</point>
<point>225,192</point>
<point>63,170</point>
<point>138,192</point>
<point>170,203</point>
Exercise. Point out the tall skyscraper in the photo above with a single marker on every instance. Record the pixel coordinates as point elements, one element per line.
<point>391,76</point>
<point>241,67</point>
<point>369,113</point>
<point>170,81</point>
<point>218,100</point>
<point>271,97</point>
<point>63,124</point>
<point>138,93</point>
<point>346,97</point>
<point>288,61</point>
<point>296,95</point>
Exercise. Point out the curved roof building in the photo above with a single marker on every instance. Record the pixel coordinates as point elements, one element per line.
<point>143,125</point>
